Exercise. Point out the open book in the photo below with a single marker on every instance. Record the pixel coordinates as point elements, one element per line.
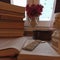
<point>11,46</point>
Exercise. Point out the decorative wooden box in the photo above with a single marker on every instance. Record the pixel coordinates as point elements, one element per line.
<point>11,20</point>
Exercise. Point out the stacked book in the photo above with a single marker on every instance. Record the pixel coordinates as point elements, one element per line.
<point>56,40</point>
<point>56,34</point>
<point>57,21</point>
<point>11,20</point>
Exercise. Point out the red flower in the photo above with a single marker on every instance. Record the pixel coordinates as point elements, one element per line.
<point>34,10</point>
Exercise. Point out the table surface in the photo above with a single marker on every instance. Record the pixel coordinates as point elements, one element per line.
<point>44,49</point>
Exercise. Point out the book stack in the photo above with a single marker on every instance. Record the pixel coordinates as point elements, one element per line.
<point>11,20</point>
<point>57,21</point>
<point>56,41</point>
<point>56,34</point>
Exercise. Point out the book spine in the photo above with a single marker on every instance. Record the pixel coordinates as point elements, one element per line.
<point>11,32</point>
<point>11,25</point>
<point>11,17</point>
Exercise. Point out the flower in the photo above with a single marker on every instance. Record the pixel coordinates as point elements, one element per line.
<point>34,10</point>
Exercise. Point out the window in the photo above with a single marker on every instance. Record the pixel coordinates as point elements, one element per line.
<point>47,10</point>
<point>20,3</point>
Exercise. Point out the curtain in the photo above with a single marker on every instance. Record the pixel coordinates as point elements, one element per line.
<point>57,8</point>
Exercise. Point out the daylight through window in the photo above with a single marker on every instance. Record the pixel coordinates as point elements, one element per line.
<point>47,10</point>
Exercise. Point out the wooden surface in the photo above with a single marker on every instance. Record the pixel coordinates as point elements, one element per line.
<point>28,33</point>
<point>9,58</point>
<point>36,57</point>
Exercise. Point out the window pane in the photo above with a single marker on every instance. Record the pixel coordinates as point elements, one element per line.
<point>47,10</point>
<point>20,3</point>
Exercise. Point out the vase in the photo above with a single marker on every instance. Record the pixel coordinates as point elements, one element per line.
<point>33,22</point>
